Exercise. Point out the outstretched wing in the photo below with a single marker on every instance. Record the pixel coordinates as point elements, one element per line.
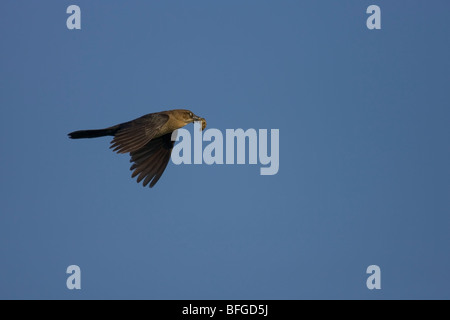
<point>135,134</point>
<point>150,161</point>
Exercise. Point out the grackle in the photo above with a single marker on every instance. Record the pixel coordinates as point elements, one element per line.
<point>147,139</point>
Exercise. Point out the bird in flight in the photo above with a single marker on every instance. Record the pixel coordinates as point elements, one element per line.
<point>147,139</point>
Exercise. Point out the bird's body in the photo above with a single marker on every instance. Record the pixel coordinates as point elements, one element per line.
<point>147,139</point>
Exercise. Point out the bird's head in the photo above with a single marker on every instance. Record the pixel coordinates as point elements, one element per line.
<point>188,116</point>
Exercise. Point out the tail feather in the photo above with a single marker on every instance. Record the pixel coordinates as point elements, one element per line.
<point>93,133</point>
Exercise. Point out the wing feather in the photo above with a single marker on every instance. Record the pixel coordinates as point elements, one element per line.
<point>134,135</point>
<point>150,161</point>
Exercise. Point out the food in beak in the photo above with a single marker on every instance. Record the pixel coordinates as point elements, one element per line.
<point>203,123</point>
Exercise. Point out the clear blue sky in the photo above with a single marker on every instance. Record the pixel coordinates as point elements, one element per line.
<point>364,120</point>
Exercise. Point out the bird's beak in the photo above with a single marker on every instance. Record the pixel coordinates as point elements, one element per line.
<point>202,120</point>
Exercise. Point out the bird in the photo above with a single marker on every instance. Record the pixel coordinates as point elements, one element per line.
<point>148,140</point>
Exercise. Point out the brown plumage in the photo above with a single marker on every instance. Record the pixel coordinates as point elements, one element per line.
<point>147,139</point>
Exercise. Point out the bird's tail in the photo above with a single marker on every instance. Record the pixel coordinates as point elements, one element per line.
<point>81,134</point>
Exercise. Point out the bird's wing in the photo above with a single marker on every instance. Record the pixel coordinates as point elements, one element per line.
<point>151,160</point>
<point>135,134</point>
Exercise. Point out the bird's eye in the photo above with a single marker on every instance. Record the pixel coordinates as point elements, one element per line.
<point>191,114</point>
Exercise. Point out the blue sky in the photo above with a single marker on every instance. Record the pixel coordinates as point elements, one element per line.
<point>364,150</point>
